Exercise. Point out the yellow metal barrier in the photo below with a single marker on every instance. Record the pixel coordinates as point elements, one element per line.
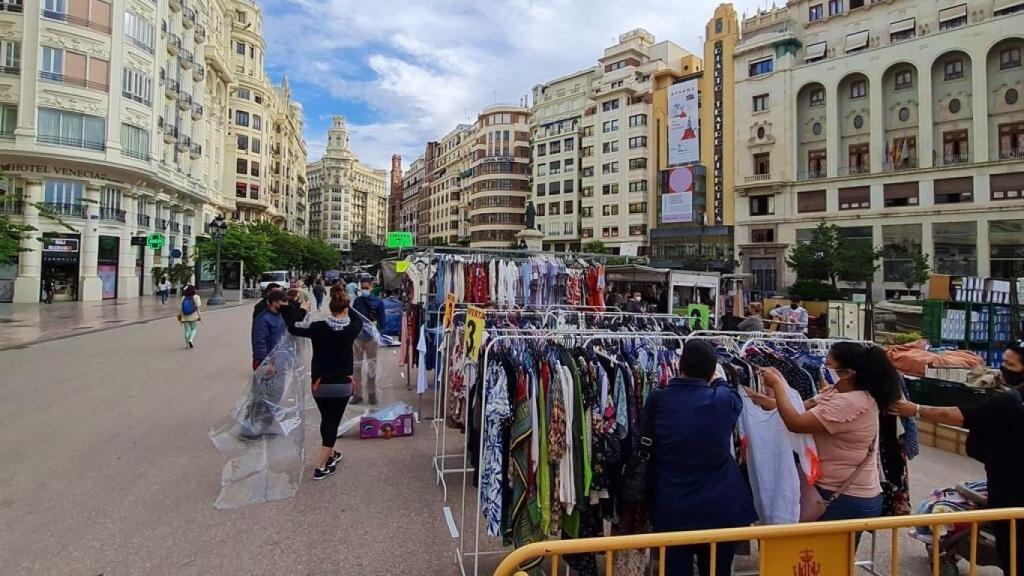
<point>825,548</point>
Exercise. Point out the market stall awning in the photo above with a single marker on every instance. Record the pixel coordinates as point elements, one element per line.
<point>635,273</point>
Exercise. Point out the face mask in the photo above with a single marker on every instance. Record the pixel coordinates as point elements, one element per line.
<point>830,376</point>
<point>794,306</point>
<point>1012,378</point>
<point>364,292</point>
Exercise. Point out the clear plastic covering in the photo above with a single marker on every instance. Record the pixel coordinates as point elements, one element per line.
<point>266,428</point>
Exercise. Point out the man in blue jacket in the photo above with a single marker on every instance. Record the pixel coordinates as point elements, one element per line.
<point>268,328</point>
<point>372,309</point>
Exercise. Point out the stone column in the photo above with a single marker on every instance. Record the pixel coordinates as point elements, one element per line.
<point>984,249</point>
<point>979,141</point>
<point>28,284</point>
<point>148,256</point>
<point>876,121</point>
<point>925,119</point>
<point>127,281</point>
<point>90,288</point>
<point>833,134</point>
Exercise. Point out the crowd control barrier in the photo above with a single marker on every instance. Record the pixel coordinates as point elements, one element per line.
<point>823,549</point>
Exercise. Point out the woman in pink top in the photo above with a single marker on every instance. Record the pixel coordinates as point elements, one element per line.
<point>844,422</point>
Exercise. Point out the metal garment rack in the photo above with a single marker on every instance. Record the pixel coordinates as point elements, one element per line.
<point>587,337</point>
<point>748,335</point>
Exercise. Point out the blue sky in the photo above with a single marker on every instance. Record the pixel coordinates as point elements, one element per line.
<point>407,71</point>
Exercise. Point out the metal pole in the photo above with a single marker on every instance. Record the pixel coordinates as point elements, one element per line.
<point>218,293</point>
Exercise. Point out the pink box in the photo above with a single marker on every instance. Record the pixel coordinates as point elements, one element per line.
<point>370,427</point>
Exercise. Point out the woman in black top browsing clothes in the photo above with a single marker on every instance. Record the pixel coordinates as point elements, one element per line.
<point>332,340</point>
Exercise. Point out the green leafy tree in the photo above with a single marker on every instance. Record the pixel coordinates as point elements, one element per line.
<point>252,244</point>
<point>814,261</point>
<point>364,251</point>
<point>911,267</point>
<point>828,258</point>
<point>319,256</point>
<point>595,247</point>
<point>438,241</point>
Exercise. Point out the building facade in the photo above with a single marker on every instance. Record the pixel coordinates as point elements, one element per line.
<point>898,121</point>
<point>113,120</point>
<point>348,199</point>
<point>409,206</point>
<point>288,186</point>
<point>556,121</point>
<point>448,183</point>
<point>395,197</point>
<point>500,182</point>
<point>619,163</point>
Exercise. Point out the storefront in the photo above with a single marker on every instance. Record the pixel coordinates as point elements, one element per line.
<point>8,274</point>
<point>60,259</point>
<point>106,265</point>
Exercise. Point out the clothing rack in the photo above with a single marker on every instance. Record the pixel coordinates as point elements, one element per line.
<point>587,337</point>
<point>749,335</point>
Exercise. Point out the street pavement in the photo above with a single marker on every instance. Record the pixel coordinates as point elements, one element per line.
<point>107,470</point>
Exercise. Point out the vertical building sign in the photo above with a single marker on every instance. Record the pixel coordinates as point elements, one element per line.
<point>677,202</point>
<point>683,123</point>
<point>719,132</point>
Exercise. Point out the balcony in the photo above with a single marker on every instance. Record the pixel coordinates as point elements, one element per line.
<point>184,101</point>
<point>161,224</point>
<point>757,178</point>
<point>10,206</point>
<point>70,142</point>
<point>10,7</point>
<point>195,151</point>
<point>200,34</point>
<point>59,209</point>
<point>111,214</point>
<point>170,134</point>
<point>135,154</point>
<point>72,81</point>
<point>197,110</point>
<point>175,227</point>
<point>173,44</point>
<point>10,70</point>
<point>956,159</point>
<point>184,143</point>
<point>187,229</point>
<point>176,5</point>
<point>188,18</point>
<point>187,59</point>
<point>142,220</point>
<point>198,72</point>
<point>76,21</point>
<point>908,164</point>
<point>171,89</point>
<point>1011,154</point>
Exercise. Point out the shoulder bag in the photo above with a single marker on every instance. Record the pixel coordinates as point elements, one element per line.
<point>635,476</point>
<point>812,507</point>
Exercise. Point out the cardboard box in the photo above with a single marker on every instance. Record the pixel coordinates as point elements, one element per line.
<point>402,425</point>
<point>940,287</point>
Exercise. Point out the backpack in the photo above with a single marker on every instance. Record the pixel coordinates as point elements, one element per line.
<point>188,306</point>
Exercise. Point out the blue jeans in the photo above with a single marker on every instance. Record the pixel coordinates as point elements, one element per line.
<point>163,296</point>
<point>851,508</point>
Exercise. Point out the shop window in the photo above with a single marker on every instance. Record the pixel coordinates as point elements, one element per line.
<point>1006,252</point>
<point>956,248</point>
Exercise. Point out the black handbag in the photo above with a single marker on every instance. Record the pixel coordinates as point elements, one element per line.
<point>635,477</point>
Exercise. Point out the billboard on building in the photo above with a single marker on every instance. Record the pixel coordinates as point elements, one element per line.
<point>683,123</point>
<point>677,201</point>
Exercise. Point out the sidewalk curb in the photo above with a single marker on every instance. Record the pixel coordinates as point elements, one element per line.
<point>46,339</point>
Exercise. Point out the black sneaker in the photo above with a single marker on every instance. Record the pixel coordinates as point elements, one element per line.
<point>190,344</point>
<point>334,459</point>
<point>373,399</point>
<point>357,399</point>
<point>321,473</point>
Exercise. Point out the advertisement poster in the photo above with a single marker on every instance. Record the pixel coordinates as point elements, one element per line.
<point>474,332</point>
<point>108,276</point>
<point>677,202</point>
<point>700,316</point>
<point>683,123</point>
<point>449,310</point>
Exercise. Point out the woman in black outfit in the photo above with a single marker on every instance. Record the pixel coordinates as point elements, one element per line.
<point>332,340</point>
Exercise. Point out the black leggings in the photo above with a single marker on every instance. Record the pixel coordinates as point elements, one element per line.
<point>331,411</point>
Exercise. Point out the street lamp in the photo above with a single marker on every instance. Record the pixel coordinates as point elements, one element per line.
<point>218,228</point>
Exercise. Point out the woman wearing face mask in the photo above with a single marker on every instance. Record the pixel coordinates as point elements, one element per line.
<point>844,422</point>
<point>996,427</point>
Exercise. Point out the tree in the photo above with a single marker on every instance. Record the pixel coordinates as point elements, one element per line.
<point>595,247</point>
<point>828,258</point>
<point>438,241</point>
<point>364,251</point>
<point>911,267</point>
<point>249,243</point>
<point>815,260</point>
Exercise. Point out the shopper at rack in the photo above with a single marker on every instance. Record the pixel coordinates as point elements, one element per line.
<point>696,483</point>
<point>996,427</point>
<point>793,319</point>
<point>754,321</point>
<point>844,422</point>
<point>635,305</point>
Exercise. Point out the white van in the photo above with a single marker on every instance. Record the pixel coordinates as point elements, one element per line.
<point>275,276</point>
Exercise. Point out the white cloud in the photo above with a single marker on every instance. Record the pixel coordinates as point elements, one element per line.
<point>424,66</point>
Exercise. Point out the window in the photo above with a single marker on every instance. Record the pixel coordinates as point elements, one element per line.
<point>137,86</point>
<point>638,120</point>
<point>241,118</point>
<point>242,94</point>
<point>816,12</point>
<point>542,189</point>
<point>63,191</point>
<point>761,67</point>
<point>903,152</point>
<point>609,147</point>
<point>760,103</point>
<point>10,56</point>
<point>904,79</point>
<point>256,146</point>
<point>956,248</point>
<point>638,229</point>
<point>835,7</point>
<point>138,31</point>
<point>860,158</point>
<point>568,186</point>
<point>816,51</point>
<point>953,17</point>
<point>567,207</point>
<point>610,210</point>
<point>588,171</point>
<point>241,166</point>
<point>954,190</point>
<point>762,235</point>
<point>609,189</point>
<point>1007,186</point>
<point>610,168</point>
<point>858,89</point>
<point>8,119</point>
<point>1006,253</point>
<point>243,142</point>
<point>588,131</point>
<point>134,142</point>
<point>53,63</point>
<point>902,30</point>
<point>900,243</point>
<point>542,149</point>
<point>257,122</point>
<point>855,198</point>
<point>638,164</point>
<point>554,209</point>
<point>954,69</point>
<point>568,166</point>
<point>554,188</point>
<point>258,98</point>
<point>55,8</point>
<point>817,97</point>
<point>1011,141</point>
<point>762,205</point>
<point>1009,58</point>
<point>813,201</point>
<point>240,48</point>
<point>587,211</point>
<point>555,168</point>
<point>817,163</point>
<point>610,105</point>
<point>610,126</point>
<point>638,208</point>
<point>638,186</point>
<point>954,147</point>
<point>72,129</point>
<point>901,194</point>
<point>857,41</point>
<point>638,142</point>
<point>762,164</point>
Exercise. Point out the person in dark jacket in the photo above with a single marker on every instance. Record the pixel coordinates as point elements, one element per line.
<point>372,308</point>
<point>318,293</point>
<point>696,484</point>
<point>332,368</point>
<point>262,304</point>
<point>293,311</point>
<point>268,328</point>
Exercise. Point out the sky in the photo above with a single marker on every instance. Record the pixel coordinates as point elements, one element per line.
<point>404,72</point>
